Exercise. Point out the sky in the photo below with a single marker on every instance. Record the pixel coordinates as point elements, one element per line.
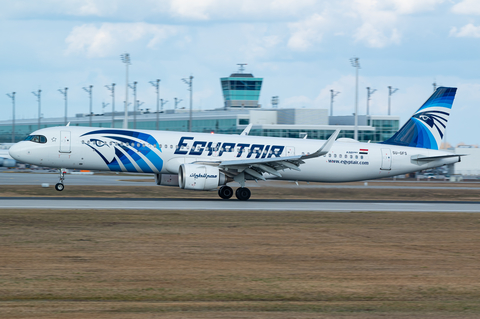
<point>302,49</point>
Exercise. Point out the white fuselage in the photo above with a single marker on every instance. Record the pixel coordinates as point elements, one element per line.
<point>163,152</point>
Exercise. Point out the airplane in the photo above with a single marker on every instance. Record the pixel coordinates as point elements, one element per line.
<point>204,162</point>
<point>5,159</point>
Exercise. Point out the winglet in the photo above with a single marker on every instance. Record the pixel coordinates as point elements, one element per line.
<point>325,148</point>
<point>247,129</point>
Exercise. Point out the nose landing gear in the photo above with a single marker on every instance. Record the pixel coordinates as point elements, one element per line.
<point>59,186</point>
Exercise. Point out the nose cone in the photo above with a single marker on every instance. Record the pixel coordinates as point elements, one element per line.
<point>16,151</point>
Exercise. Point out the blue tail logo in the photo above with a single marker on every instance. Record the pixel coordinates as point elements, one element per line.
<point>425,129</point>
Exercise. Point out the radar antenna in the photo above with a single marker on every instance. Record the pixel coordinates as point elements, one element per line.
<point>241,67</point>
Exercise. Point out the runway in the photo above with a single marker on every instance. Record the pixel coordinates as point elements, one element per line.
<point>251,205</point>
<point>41,177</point>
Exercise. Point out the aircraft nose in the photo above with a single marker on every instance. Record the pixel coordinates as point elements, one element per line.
<point>16,151</point>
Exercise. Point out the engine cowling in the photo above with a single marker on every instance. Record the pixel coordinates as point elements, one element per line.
<point>200,177</point>
<point>7,162</point>
<point>166,179</point>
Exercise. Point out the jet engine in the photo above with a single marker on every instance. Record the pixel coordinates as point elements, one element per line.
<point>166,179</point>
<point>200,177</point>
<point>7,162</point>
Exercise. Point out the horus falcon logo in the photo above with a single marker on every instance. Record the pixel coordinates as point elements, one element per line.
<point>434,119</point>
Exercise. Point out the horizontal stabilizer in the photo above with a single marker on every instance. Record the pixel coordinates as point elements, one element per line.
<point>434,158</point>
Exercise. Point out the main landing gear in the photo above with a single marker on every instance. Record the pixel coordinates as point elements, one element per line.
<point>59,186</point>
<point>241,193</point>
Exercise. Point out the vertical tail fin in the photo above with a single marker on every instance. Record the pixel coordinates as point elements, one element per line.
<point>426,127</point>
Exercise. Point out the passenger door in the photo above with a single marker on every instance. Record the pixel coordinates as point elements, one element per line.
<point>386,159</point>
<point>65,142</point>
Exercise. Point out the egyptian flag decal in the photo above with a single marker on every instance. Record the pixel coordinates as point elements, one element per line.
<point>363,151</point>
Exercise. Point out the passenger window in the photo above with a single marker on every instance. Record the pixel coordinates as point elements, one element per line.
<point>171,146</point>
<point>329,155</point>
<point>361,157</point>
<point>340,155</point>
<point>356,156</point>
<point>335,155</point>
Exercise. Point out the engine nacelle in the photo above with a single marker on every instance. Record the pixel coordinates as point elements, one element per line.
<point>7,162</point>
<point>166,179</point>
<point>200,177</point>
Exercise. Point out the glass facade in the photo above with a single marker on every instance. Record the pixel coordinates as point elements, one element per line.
<point>221,126</point>
<point>384,128</point>
<point>321,134</point>
<point>379,130</point>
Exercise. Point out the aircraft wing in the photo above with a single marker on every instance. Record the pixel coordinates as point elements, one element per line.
<point>255,167</point>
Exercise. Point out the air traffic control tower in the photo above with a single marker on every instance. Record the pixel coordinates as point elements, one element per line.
<point>241,90</point>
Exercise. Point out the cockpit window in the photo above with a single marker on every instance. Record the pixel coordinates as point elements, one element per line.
<point>36,138</point>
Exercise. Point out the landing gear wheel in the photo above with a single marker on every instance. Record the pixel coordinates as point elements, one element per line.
<point>59,186</point>
<point>243,193</point>
<point>225,192</point>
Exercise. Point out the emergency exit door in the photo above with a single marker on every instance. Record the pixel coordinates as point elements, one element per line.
<point>290,150</point>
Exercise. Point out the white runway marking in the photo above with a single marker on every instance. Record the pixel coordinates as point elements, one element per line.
<point>252,205</point>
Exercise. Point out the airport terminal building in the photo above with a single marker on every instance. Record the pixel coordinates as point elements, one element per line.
<point>241,92</point>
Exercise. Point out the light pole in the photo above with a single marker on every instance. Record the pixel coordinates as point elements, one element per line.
<point>177,101</point>
<point>111,88</point>
<point>126,59</point>
<point>64,93</point>
<point>189,83</point>
<point>162,103</point>
<point>369,95</point>
<point>434,86</point>
<point>275,101</point>
<point>104,105</point>
<point>134,88</point>
<point>89,91</point>
<point>38,95</point>
<point>356,64</point>
<point>139,104</point>
<point>333,94</point>
<point>156,84</point>
<point>390,92</point>
<point>12,96</point>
